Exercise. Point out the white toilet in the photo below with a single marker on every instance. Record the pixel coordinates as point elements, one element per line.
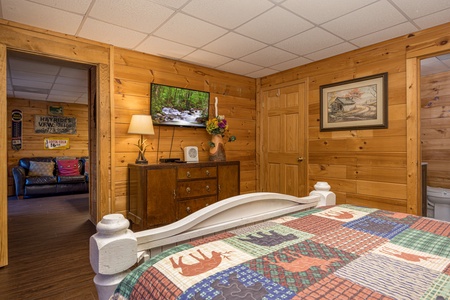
<point>440,199</point>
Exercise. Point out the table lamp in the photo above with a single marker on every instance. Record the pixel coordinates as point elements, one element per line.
<point>141,124</point>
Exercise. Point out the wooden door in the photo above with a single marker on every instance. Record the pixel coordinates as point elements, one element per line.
<point>283,139</point>
<point>161,196</point>
<point>228,179</point>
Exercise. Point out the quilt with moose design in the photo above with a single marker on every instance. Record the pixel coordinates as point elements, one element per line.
<point>338,252</point>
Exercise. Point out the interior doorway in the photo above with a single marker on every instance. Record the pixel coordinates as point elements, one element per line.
<point>283,161</point>
<point>41,82</point>
<point>434,126</point>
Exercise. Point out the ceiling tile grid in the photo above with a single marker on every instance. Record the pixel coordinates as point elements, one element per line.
<point>253,38</point>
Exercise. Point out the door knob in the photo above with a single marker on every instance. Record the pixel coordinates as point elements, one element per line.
<point>300,159</point>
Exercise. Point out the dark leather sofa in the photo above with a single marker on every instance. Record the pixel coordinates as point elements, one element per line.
<point>32,186</point>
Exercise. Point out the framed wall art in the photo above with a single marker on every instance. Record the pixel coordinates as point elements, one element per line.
<point>355,104</point>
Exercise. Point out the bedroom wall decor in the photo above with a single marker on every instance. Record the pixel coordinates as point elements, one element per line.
<point>55,110</point>
<point>55,124</point>
<point>54,144</point>
<point>16,129</point>
<point>354,104</point>
<point>175,106</point>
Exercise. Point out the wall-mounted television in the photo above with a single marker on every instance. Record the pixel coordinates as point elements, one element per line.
<point>176,106</point>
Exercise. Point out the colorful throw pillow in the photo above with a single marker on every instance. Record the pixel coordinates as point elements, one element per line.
<point>68,167</point>
<point>41,168</point>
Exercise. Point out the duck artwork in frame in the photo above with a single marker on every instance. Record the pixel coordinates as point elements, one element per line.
<point>355,104</point>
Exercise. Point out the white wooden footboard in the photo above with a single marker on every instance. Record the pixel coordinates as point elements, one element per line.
<point>114,249</point>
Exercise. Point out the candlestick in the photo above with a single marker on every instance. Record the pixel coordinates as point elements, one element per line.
<point>215,107</point>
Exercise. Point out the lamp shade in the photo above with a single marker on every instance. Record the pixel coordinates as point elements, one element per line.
<point>141,124</point>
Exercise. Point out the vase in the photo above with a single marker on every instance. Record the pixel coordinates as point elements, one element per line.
<point>217,149</point>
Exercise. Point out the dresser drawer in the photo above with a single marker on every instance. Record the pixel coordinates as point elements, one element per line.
<point>197,188</point>
<point>186,207</point>
<point>195,173</point>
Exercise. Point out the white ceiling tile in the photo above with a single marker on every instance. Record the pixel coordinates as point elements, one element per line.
<point>234,45</point>
<point>446,62</point>
<point>75,6</point>
<point>189,31</point>
<point>171,3</point>
<point>31,84</point>
<point>416,9</point>
<point>309,41</point>
<point>27,75</point>
<point>68,88</point>
<point>292,64</point>
<point>82,83</point>
<point>161,47</point>
<point>321,11</point>
<point>40,16</point>
<point>239,67</point>
<point>32,66</point>
<point>365,20</point>
<point>383,35</point>
<point>275,55</point>
<point>433,19</point>
<point>432,65</point>
<point>262,73</point>
<point>139,15</point>
<point>274,25</point>
<point>33,96</point>
<point>332,51</point>
<point>206,58</point>
<point>225,13</point>
<point>74,73</point>
<point>111,34</point>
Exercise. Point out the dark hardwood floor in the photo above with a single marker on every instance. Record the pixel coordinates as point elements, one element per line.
<point>48,249</point>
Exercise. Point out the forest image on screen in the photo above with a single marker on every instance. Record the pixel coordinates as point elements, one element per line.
<point>178,106</point>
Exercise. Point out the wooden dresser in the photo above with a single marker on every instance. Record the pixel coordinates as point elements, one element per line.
<point>160,194</point>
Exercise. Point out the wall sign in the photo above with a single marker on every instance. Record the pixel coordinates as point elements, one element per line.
<point>16,136</point>
<point>53,144</point>
<point>55,110</point>
<point>55,124</point>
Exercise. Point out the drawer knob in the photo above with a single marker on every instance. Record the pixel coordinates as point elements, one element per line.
<point>207,172</point>
<point>207,188</point>
<point>188,190</point>
<point>188,174</point>
<point>188,210</point>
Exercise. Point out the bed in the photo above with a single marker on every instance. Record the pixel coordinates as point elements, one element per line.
<point>273,246</point>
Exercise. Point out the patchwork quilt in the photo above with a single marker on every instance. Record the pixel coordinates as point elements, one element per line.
<point>338,252</point>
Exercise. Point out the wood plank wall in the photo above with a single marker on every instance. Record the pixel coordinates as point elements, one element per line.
<point>364,167</point>
<point>435,131</point>
<point>33,143</point>
<point>133,74</point>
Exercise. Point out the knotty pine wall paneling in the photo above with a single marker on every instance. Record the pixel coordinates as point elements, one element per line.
<point>368,166</point>
<point>33,143</point>
<point>133,74</point>
<point>435,127</point>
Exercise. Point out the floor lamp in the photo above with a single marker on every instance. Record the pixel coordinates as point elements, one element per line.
<point>141,124</point>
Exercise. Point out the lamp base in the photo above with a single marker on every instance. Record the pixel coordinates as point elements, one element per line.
<point>141,162</point>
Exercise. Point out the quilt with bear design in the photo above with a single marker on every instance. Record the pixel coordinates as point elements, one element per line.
<point>338,252</point>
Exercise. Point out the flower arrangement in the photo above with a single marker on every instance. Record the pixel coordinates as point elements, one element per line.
<point>219,125</point>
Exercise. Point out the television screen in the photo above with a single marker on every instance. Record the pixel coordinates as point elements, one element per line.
<point>178,106</point>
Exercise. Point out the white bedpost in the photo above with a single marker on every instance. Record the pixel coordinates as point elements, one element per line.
<point>322,189</point>
<point>113,250</point>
